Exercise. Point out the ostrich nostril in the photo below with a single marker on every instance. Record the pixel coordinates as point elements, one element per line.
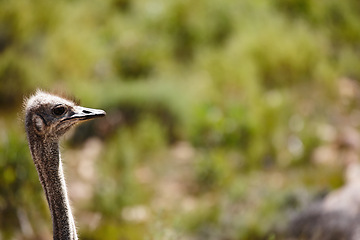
<point>86,112</point>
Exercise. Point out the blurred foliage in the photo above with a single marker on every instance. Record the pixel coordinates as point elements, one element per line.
<point>19,184</point>
<point>251,87</point>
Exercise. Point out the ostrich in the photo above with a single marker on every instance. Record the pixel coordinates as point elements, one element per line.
<point>47,118</point>
<point>335,217</point>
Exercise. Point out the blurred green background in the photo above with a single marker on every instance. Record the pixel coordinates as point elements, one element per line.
<point>224,117</point>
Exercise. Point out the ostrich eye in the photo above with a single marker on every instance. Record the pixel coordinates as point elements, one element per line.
<point>58,111</point>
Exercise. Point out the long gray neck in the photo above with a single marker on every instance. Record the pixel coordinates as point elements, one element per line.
<point>48,163</point>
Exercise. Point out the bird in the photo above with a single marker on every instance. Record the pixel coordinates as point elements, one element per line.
<point>47,118</point>
<point>337,215</point>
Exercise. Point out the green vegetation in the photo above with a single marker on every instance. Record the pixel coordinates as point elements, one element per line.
<point>217,112</point>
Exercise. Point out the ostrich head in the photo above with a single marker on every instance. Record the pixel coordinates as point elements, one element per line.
<point>49,116</point>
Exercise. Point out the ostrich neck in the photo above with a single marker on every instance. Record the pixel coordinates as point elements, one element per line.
<point>46,156</point>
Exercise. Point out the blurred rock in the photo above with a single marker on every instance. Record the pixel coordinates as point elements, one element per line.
<point>325,155</point>
<point>348,88</point>
<point>135,213</point>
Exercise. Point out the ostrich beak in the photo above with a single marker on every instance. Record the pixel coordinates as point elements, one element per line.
<point>83,114</point>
